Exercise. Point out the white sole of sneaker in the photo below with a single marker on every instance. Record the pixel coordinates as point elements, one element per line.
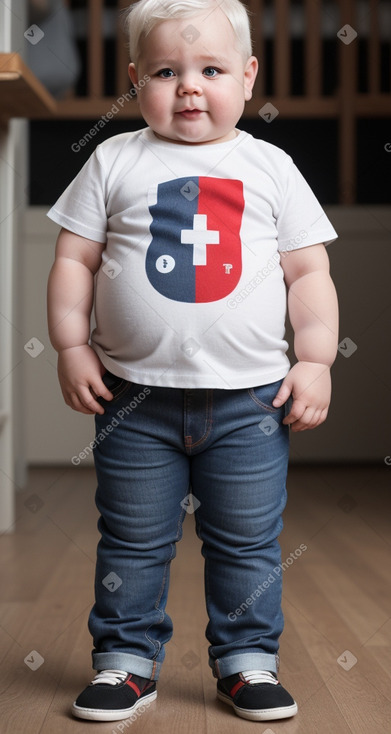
<point>259,714</point>
<point>112,715</point>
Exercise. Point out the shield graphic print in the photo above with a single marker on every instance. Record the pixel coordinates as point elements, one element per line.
<point>196,253</point>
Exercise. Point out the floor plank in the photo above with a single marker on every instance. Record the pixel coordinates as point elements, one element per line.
<point>335,649</point>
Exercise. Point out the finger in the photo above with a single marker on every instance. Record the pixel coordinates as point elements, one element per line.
<point>319,416</point>
<point>299,426</point>
<point>310,419</point>
<point>89,403</point>
<point>295,413</point>
<point>315,420</point>
<point>282,395</point>
<point>322,417</point>
<point>99,389</point>
<point>76,404</point>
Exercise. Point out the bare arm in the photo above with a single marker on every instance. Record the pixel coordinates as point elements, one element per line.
<point>70,299</point>
<point>313,311</point>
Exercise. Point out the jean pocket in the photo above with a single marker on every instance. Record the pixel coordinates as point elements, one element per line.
<point>117,385</point>
<point>263,396</point>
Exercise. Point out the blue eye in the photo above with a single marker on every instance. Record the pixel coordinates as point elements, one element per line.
<point>210,71</point>
<point>166,73</point>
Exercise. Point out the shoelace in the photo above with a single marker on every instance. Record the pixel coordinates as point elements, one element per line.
<point>259,676</point>
<point>110,677</point>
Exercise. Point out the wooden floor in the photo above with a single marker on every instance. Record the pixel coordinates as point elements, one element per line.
<point>335,650</point>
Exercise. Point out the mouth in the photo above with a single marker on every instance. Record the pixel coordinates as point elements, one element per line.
<point>190,114</point>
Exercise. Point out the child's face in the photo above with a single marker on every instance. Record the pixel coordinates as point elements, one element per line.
<point>198,84</point>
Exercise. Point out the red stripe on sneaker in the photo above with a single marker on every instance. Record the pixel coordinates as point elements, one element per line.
<point>236,687</point>
<point>133,685</point>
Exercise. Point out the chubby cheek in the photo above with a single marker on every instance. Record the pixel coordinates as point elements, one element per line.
<point>224,108</point>
<point>153,104</point>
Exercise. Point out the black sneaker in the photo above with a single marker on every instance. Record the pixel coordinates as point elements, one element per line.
<point>114,695</point>
<point>256,695</point>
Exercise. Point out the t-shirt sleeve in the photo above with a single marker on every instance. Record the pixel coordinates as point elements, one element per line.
<point>301,220</point>
<point>81,208</point>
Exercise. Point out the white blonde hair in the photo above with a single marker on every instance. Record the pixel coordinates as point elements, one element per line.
<point>143,15</point>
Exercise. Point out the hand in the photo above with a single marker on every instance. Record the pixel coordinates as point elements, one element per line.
<point>310,386</point>
<point>80,374</point>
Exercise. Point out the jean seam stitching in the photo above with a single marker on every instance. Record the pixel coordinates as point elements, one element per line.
<point>268,408</point>
<point>122,391</point>
<point>208,422</point>
<point>157,644</point>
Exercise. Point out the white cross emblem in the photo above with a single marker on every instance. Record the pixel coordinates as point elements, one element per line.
<point>200,236</point>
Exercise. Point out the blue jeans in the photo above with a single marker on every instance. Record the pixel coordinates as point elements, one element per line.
<point>152,445</point>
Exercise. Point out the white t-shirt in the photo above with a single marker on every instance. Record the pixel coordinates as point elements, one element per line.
<point>190,291</point>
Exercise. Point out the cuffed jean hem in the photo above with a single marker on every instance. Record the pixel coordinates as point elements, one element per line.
<point>126,661</point>
<point>244,661</point>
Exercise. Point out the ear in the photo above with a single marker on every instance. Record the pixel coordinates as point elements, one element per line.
<point>133,74</point>
<point>250,74</point>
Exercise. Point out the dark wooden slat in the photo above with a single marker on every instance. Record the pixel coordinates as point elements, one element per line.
<point>313,48</point>
<point>257,8</point>
<point>348,60</point>
<point>95,48</point>
<point>122,82</point>
<point>282,61</point>
<point>374,49</point>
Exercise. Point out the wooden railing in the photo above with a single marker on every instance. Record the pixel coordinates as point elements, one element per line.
<point>317,31</point>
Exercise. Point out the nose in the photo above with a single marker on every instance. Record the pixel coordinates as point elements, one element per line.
<point>189,85</point>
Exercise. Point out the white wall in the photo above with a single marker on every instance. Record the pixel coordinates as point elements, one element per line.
<point>55,432</point>
<point>357,427</point>
<point>12,203</point>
